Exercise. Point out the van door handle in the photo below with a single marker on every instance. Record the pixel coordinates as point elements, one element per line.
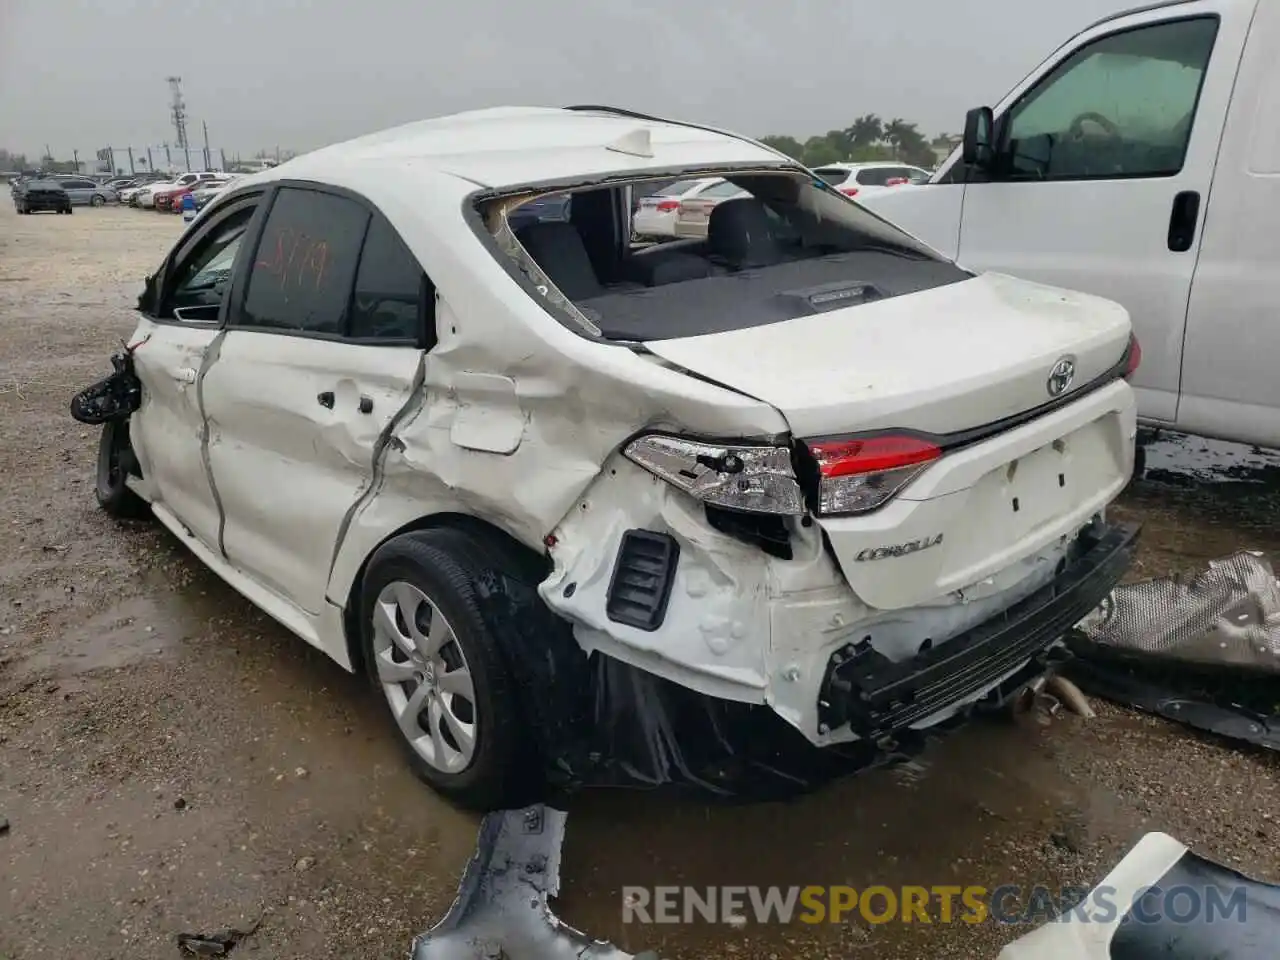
<point>1182,221</point>
<point>325,399</point>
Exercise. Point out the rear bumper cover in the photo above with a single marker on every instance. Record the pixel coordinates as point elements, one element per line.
<point>876,696</point>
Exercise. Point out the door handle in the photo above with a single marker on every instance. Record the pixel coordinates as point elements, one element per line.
<point>1182,221</point>
<point>325,399</point>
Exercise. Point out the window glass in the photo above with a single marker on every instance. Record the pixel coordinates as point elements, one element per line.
<point>721,190</point>
<point>388,291</point>
<point>305,263</point>
<point>833,175</point>
<point>877,176</point>
<point>1121,106</point>
<point>201,278</point>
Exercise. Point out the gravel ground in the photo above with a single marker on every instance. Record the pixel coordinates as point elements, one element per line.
<point>171,760</point>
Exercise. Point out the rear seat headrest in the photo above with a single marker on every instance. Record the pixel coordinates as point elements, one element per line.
<point>740,232</point>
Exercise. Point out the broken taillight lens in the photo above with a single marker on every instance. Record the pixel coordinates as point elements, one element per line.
<point>753,479</point>
<point>860,475</point>
<point>1133,357</point>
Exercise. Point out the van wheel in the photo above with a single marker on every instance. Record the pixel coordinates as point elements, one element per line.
<point>97,200</point>
<point>115,458</point>
<point>441,672</point>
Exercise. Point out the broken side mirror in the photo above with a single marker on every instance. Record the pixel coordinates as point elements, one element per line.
<point>147,299</point>
<point>979,138</point>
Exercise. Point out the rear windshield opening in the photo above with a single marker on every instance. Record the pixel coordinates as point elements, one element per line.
<point>758,248</point>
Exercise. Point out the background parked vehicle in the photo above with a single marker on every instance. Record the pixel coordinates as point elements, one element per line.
<point>85,192</point>
<point>204,192</point>
<point>860,179</point>
<point>655,214</point>
<point>1141,162</point>
<point>551,208</point>
<point>146,197</point>
<point>694,213</point>
<point>32,196</point>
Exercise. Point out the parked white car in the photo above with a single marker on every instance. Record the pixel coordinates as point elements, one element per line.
<point>1141,162</point>
<point>693,214</point>
<point>805,464</point>
<point>860,179</point>
<point>655,217</point>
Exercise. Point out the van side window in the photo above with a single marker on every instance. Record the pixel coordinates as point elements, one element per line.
<point>1121,106</point>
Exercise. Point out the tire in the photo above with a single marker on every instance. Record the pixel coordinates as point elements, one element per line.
<point>432,573</point>
<point>114,459</point>
<point>97,200</point>
<point>67,210</point>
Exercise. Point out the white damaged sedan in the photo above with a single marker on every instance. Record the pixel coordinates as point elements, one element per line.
<point>804,466</point>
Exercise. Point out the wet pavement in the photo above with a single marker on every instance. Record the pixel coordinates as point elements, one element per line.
<point>173,761</point>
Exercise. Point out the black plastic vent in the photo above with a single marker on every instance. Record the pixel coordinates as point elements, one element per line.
<point>642,577</point>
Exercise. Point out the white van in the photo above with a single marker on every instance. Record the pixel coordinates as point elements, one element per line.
<point>1141,162</point>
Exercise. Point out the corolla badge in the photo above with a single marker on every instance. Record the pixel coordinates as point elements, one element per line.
<point>897,549</point>
<point>1060,377</point>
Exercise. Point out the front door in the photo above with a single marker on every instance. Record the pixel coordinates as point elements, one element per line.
<point>168,428</point>
<point>1108,161</point>
<point>320,354</point>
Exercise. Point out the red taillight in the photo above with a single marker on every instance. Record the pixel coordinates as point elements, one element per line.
<point>666,206</point>
<point>849,191</point>
<point>1133,359</point>
<point>858,476</point>
<point>845,458</point>
<point>895,181</point>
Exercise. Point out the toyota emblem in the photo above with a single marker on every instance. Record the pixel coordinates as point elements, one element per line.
<point>1060,377</point>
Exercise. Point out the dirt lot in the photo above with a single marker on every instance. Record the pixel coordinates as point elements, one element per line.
<point>170,760</point>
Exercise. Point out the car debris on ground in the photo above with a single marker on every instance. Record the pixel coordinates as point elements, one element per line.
<point>1203,651</point>
<point>501,910</point>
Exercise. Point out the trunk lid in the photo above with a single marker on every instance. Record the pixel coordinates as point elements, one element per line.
<point>952,358</point>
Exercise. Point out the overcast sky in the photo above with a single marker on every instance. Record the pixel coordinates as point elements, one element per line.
<point>302,73</point>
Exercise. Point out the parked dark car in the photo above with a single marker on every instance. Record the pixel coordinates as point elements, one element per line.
<point>31,196</point>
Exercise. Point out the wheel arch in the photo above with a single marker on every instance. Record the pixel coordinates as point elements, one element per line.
<point>500,547</point>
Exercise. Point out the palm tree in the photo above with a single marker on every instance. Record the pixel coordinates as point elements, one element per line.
<point>897,131</point>
<point>866,131</point>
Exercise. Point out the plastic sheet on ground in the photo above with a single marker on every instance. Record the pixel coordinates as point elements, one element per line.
<point>1204,651</point>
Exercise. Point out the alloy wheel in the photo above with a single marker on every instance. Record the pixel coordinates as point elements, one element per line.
<point>424,675</point>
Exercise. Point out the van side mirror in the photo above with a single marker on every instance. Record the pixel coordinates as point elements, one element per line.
<point>979,150</point>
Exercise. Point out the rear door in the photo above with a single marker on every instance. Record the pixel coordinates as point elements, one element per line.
<point>322,350</point>
<point>1110,160</point>
<point>167,430</point>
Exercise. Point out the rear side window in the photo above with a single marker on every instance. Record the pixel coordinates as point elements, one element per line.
<point>390,288</point>
<point>833,175</point>
<point>878,176</point>
<point>305,264</point>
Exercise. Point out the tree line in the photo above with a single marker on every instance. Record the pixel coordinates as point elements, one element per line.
<point>867,138</point>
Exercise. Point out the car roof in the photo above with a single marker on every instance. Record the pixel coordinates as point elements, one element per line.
<point>511,146</point>
<point>869,165</point>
